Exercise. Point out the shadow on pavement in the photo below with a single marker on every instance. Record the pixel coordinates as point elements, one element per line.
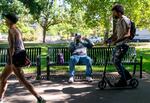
<point>59,91</point>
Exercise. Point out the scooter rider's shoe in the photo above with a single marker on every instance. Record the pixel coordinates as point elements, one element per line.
<point>41,100</point>
<point>128,75</point>
<point>121,83</point>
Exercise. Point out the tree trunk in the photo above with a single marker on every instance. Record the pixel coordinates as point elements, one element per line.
<point>107,30</point>
<point>114,24</point>
<point>44,34</point>
<point>106,34</point>
<point>107,26</point>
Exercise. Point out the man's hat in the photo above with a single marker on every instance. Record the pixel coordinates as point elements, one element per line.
<point>77,35</point>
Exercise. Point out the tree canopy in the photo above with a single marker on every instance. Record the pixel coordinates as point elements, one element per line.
<point>70,16</point>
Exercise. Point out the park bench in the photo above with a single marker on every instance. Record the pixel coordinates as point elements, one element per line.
<point>98,55</point>
<point>34,55</point>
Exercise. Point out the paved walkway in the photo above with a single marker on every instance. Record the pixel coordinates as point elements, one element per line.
<point>57,90</point>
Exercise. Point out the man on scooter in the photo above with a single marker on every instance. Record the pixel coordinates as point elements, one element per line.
<point>120,38</point>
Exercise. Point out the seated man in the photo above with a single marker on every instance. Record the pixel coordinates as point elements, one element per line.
<point>79,53</point>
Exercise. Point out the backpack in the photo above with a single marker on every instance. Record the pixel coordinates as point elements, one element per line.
<point>132,30</point>
<point>60,58</point>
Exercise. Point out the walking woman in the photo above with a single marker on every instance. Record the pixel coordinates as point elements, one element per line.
<point>15,45</point>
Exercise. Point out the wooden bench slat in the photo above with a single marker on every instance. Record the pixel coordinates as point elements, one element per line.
<point>98,55</point>
<point>33,53</point>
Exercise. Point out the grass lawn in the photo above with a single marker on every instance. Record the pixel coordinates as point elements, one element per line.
<point>140,51</point>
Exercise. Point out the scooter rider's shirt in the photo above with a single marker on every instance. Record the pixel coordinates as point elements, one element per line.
<point>122,27</point>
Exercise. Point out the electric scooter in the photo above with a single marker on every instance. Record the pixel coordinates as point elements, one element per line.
<point>133,82</point>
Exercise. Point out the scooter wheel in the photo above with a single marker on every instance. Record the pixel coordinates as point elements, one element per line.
<point>102,84</point>
<point>134,83</point>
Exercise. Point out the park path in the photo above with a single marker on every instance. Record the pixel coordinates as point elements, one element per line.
<point>57,90</point>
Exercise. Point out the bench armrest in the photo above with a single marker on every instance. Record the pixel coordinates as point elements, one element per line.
<point>47,59</point>
<point>38,77</point>
<point>38,60</point>
<point>141,65</point>
<point>134,58</point>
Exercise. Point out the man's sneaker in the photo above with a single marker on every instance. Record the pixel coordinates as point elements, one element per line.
<point>41,100</point>
<point>71,80</point>
<point>1,101</point>
<point>89,79</point>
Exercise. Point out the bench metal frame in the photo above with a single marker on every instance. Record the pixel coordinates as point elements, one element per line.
<point>98,55</point>
<point>34,54</point>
